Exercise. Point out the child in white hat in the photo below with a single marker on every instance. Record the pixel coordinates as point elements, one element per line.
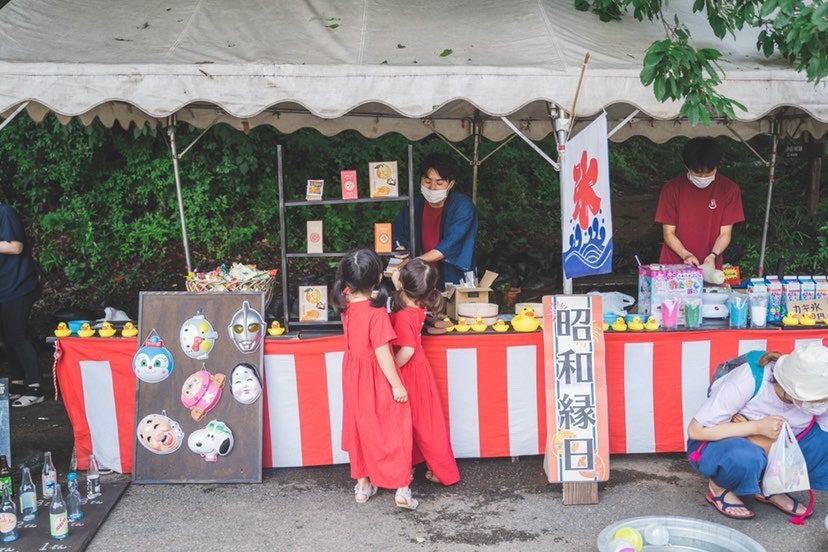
<point>741,412</point>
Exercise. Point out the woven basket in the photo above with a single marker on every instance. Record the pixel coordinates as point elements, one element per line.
<point>266,285</point>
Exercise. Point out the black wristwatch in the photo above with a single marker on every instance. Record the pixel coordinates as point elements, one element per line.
<point>715,255</point>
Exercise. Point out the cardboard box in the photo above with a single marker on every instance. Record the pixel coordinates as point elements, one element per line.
<point>480,294</point>
<point>776,300</point>
<point>315,236</point>
<point>382,177</point>
<point>382,237</point>
<point>733,275</point>
<point>314,190</point>
<point>313,303</point>
<point>349,184</point>
<point>820,287</point>
<point>656,281</point>
<point>808,286</point>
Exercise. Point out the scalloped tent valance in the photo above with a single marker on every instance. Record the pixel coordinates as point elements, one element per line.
<point>375,66</point>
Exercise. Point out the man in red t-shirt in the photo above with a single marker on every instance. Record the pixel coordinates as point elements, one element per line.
<point>698,209</point>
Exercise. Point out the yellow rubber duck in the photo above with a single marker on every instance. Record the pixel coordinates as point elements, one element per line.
<point>790,320</point>
<point>86,331</point>
<point>619,325</point>
<point>636,324</point>
<point>129,330</point>
<point>106,330</point>
<point>63,330</point>
<point>606,326</point>
<point>808,319</point>
<point>275,328</point>
<point>479,325</point>
<point>525,321</point>
<point>651,324</point>
<point>462,326</point>
<point>500,326</point>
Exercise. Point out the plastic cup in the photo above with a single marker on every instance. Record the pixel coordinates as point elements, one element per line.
<point>738,306</point>
<point>669,314</point>
<point>692,312</point>
<point>758,310</point>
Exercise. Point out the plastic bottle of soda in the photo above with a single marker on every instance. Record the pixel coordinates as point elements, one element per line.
<point>28,496</point>
<point>49,476</point>
<point>6,475</point>
<point>8,518</point>
<point>93,478</point>
<point>73,498</point>
<point>58,520</point>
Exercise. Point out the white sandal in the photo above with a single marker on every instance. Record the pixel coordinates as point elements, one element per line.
<point>362,495</point>
<point>28,400</point>
<point>405,500</point>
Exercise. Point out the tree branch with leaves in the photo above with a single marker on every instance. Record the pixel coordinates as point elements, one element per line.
<point>795,29</point>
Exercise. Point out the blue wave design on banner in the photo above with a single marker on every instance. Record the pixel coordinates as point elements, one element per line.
<point>589,253</point>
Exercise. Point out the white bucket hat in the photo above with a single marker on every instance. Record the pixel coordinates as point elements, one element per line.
<point>803,374</point>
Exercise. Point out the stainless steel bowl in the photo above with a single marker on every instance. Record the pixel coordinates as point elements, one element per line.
<point>686,535</point>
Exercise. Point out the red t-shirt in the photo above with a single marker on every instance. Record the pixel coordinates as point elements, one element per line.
<point>432,219</point>
<point>698,214</point>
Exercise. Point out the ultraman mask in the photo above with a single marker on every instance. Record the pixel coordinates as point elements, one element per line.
<point>247,329</point>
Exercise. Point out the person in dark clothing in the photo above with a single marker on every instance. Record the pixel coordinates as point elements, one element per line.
<point>19,289</point>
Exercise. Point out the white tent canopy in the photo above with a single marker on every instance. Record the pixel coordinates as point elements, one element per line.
<point>374,66</point>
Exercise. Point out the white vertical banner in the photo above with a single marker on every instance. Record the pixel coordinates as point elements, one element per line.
<point>587,242</point>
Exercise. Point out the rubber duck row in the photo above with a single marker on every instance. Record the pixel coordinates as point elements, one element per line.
<point>635,325</point>
<point>807,319</point>
<point>129,330</point>
<point>524,322</point>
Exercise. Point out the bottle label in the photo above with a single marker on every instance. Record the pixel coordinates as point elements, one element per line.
<point>49,482</point>
<point>6,483</point>
<point>59,524</point>
<point>8,522</point>
<point>28,501</point>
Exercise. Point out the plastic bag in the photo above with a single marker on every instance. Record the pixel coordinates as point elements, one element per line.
<point>614,302</point>
<point>786,471</point>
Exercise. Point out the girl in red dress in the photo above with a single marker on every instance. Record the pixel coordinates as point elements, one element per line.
<point>376,416</point>
<point>416,291</point>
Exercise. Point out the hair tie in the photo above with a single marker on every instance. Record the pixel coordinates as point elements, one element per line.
<point>346,290</point>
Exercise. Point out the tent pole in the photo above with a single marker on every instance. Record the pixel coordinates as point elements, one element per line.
<point>526,139</point>
<point>174,152</point>
<point>562,130</point>
<point>771,176</point>
<point>475,161</point>
<point>11,117</point>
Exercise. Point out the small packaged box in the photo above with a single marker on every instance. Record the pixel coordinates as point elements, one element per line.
<point>315,236</point>
<point>776,300</point>
<point>314,191</point>
<point>382,178</point>
<point>820,287</point>
<point>757,285</point>
<point>313,303</point>
<point>808,287</point>
<point>733,275</point>
<point>791,289</point>
<point>349,184</point>
<point>382,237</point>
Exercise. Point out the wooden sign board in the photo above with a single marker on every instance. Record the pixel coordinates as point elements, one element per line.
<point>817,307</point>
<point>196,329</point>
<point>577,442</point>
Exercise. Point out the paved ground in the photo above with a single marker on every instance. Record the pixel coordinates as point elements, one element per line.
<point>499,505</point>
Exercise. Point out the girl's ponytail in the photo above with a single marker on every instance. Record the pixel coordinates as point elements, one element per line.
<point>435,302</point>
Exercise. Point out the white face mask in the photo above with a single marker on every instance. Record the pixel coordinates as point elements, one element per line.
<point>434,196</point>
<point>701,182</point>
<point>814,409</point>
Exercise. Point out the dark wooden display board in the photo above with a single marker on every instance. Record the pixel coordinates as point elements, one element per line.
<point>35,535</point>
<point>166,312</point>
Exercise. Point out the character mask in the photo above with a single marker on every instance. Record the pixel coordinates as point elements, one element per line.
<point>152,362</point>
<point>198,337</point>
<point>159,434</point>
<point>247,329</point>
<point>212,441</point>
<point>245,383</point>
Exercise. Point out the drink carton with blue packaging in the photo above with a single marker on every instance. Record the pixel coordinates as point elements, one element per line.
<point>656,282</point>
<point>820,287</point>
<point>808,287</point>
<point>757,285</point>
<point>791,289</point>
<point>776,306</point>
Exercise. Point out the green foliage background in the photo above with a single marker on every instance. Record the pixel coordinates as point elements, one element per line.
<point>100,204</point>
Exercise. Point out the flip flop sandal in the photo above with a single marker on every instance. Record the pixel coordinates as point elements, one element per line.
<point>438,323</point>
<point>796,504</point>
<point>405,500</point>
<point>717,500</point>
<point>431,477</point>
<point>362,495</point>
<point>28,400</point>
